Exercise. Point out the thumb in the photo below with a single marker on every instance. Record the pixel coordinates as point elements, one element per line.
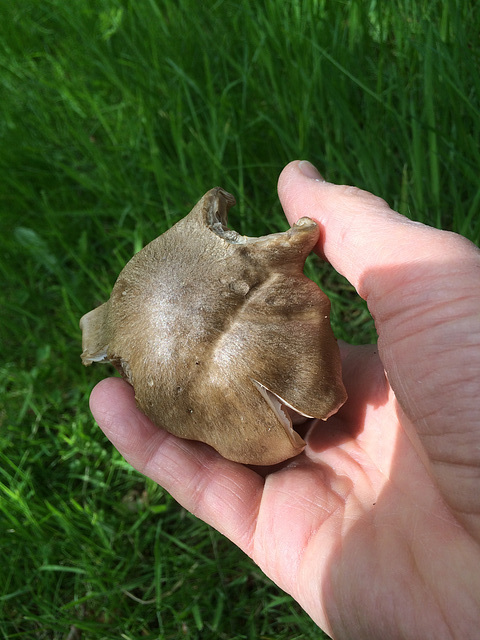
<point>406,271</point>
<point>356,226</point>
<point>422,289</point>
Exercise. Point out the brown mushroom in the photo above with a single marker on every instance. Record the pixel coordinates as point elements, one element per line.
<point>220,334</point>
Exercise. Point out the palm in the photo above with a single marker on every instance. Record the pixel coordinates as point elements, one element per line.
<point>356,520</point>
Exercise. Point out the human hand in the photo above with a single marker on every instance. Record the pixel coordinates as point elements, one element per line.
<point>375,528</point>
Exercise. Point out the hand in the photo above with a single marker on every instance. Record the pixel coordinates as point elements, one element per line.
<point>375,528</point>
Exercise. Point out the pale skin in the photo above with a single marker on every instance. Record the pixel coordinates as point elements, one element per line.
<point>375,528</point>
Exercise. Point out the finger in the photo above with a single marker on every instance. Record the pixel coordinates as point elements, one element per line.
<point>420,283</point>
<point>224,494</point>
<point>359,231</point>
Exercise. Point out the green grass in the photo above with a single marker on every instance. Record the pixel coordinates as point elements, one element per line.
<point>115,117</point>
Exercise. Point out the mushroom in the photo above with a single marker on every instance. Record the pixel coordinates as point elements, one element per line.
<point>222,335</point>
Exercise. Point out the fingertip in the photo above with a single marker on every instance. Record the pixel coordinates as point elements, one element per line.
<point>112,403</point>
<point>305,167</point>
<point>295,171</point>
<point>108,392</point>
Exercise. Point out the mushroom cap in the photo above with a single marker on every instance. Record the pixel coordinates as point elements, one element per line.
<point>220,334</point>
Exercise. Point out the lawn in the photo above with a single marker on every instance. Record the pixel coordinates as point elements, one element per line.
<point>115,117</point>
